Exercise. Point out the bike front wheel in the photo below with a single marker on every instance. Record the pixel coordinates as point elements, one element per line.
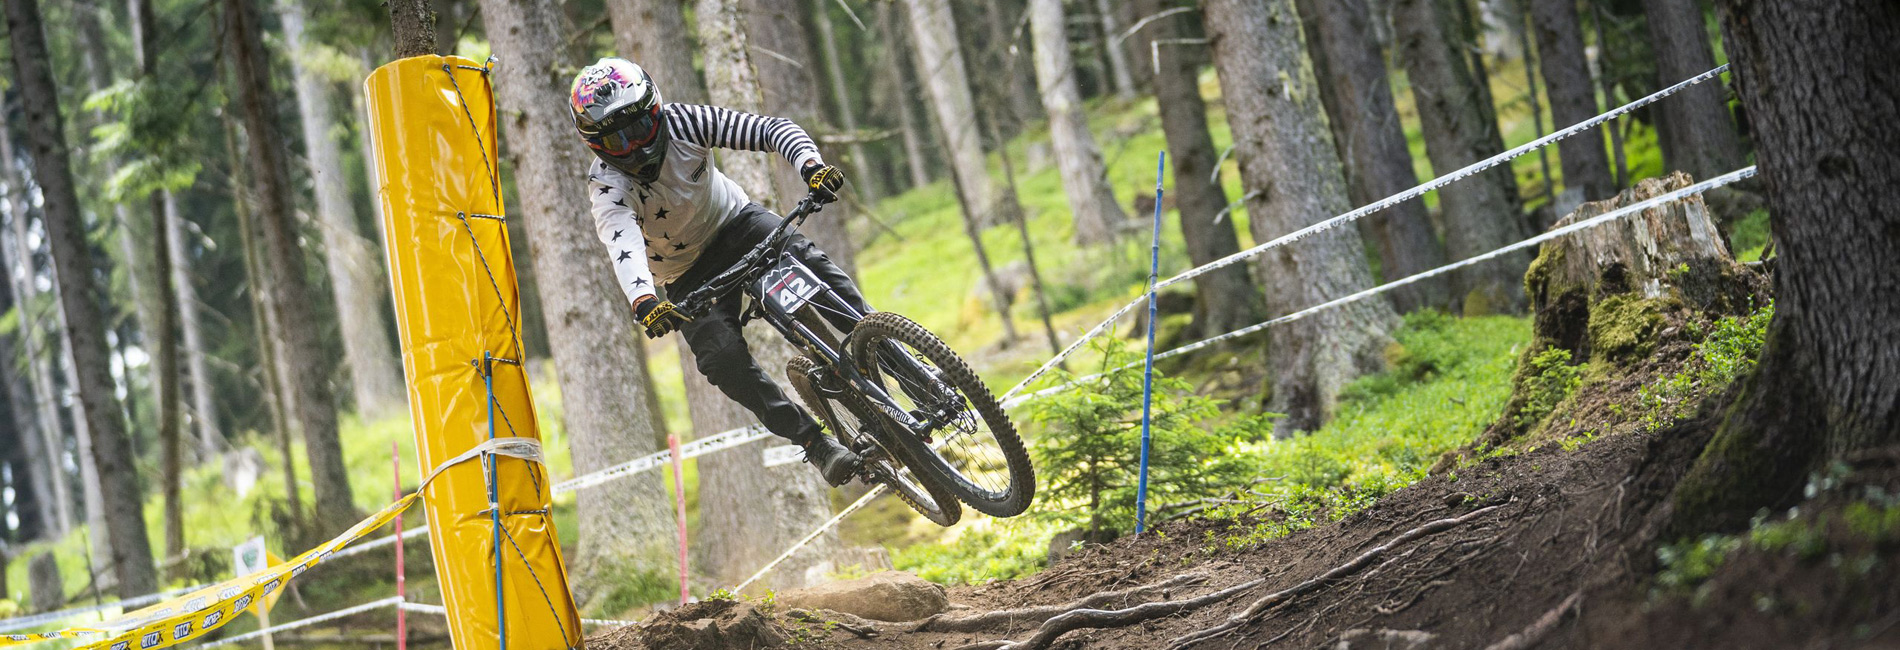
<point>975,453</point>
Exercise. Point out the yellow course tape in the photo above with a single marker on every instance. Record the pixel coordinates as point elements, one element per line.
<point>193,615</point>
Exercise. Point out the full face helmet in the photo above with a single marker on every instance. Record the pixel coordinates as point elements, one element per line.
<point>617,110</point>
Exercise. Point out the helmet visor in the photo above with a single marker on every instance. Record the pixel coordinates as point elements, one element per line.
<point>623,132</point>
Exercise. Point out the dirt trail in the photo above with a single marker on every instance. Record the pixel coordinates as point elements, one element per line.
<point>1566,549</point>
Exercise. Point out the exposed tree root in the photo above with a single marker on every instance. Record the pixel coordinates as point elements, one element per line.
<point>1087,618</point>
<point>1268,601</point>
<point>1036,615</point>
<point>1535,632</point>
<point>858,627</point>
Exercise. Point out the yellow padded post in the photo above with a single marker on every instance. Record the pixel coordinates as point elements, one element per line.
<point>432,125</point>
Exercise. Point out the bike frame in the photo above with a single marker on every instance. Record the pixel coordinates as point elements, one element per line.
<point>770,255</point>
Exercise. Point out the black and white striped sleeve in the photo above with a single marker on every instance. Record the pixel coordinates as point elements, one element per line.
<point>714,126</point>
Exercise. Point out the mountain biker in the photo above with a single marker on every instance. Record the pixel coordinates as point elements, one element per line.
<point>668,216</point>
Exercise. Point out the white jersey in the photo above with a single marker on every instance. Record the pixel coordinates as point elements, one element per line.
<point>655,231</point>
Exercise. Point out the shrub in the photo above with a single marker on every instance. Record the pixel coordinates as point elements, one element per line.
<point>1091,439</point>
<point>1551,380</point>
<point>1727,352</point>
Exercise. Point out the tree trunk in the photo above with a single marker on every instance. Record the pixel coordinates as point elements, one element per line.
<point>1227,299</point>
<point>1694,127</point>
<point>1371,141</point>
<point>865,182</point>
<point>909,125</point>
<point>626,525</point>
<point>789,89</point>
<point>1573,97</point>
<point>1809,73</point>
<point>1084,178</point>
<point>1118,66</point>
<point>204,412</point>
<point>653,34</point>
<point>92,493</point>
<point>733,82</point>
<point>39,366</point>
<point>1289,166</point>
<point>413,24</point>
<point>356,281</point>
<point>748,512</point>
<point>939,60</point>
<point>44,584</point>
<point>1617,156</point>
<point>22,448</point>
<point>1014,206</point>
<point>1480,213</point>
<point>160,321</point>
<point>1016,85</point>
<point>335,507</point>
<point>72,263</point>
<point>263,325</point>
<point>1520,28</point>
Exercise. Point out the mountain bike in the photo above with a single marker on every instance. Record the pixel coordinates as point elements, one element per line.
<point>890,390</point>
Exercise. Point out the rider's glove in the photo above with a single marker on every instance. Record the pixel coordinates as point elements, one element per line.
<point>659,316</point>
<point>824,180</point>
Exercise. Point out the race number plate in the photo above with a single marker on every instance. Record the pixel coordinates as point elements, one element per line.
<point>789,285</point>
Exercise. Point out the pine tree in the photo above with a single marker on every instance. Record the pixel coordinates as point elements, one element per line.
<point>1828,383</point>
<point>626,525</point>
<point>131,553</point>
<point>1292,174</point>
<point>1371,140</point>
<point>1084,178</point>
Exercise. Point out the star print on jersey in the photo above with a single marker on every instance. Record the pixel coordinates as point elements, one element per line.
<point>689,195</point>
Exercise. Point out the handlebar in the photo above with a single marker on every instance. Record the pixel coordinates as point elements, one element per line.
<point>699,301</point>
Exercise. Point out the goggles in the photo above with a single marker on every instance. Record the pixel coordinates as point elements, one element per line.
<point>623,132</point>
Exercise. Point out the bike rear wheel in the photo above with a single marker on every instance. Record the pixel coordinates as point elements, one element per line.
<point>884,462</point>
<point>977,455</point>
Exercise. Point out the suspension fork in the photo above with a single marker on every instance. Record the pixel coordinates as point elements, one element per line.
<point>841,362</point>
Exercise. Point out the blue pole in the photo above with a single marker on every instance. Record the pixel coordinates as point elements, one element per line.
<point>494,502</point>
<point>1148,371</point>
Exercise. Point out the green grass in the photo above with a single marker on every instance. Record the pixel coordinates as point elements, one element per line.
<point>1449,380</point>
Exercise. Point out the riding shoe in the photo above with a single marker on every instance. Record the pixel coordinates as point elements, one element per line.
<point>833,460</point>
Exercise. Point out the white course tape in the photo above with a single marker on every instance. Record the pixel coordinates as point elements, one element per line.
<point>380,542</point>
<point>854,507</point>
<point>1361,212</point>
<point>783,455</point>
<point>392,601</point>
<point>129,604</point>
<point>700,447</point>
<point>1436,183</point>
<point>1592,222</point>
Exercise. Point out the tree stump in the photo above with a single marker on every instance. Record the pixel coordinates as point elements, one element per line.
<point>1597,293</point>
<point>43,580</point>
<point>1606,299</point>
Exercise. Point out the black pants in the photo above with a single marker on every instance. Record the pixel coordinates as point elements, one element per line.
<point>719,347</point>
